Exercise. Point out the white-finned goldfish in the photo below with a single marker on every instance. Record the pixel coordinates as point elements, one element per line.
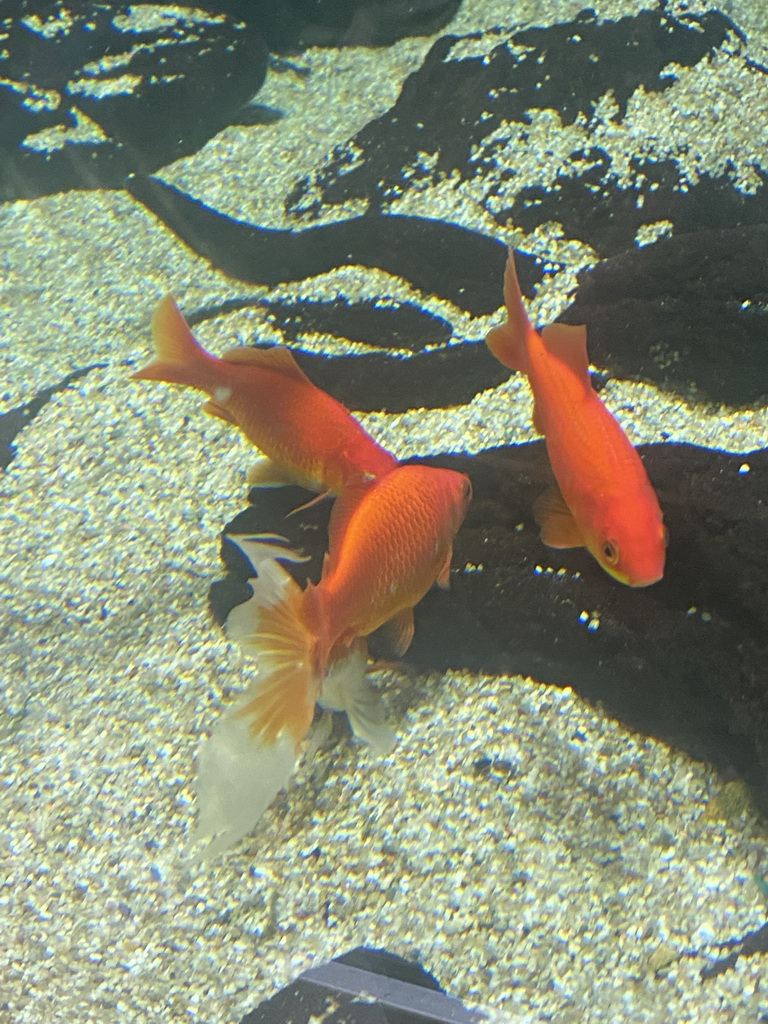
<point>605,502</point>
<point>389,541</point>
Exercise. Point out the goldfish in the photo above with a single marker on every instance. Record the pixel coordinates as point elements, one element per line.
<point>306,436</point>
<point>390,540</point>
<point>604,501</point>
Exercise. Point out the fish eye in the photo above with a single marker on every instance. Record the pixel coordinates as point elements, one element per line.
<point>610,552</point>
<point>467,489</point>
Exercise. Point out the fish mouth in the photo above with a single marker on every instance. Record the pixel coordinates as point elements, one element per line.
<point>636,582</point>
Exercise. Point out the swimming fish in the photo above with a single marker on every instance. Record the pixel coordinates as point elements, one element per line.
<point>605,500</point>
<point>307,437</point>
<point>389,540</point>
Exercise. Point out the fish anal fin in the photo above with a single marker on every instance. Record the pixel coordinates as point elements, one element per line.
<point>558,527</point>
<point>568,343</point>
<point>212,408</point>
<point>277,358</point>
<point>345,689</point>
<point>266,472</point>
<point>397,632</point>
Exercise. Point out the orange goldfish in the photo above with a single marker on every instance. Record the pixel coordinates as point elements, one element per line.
<point>605,501</point>
<point>389,541</point>
<point>306,435</point>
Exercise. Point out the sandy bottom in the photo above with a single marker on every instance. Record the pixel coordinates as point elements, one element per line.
<point>536,857</point>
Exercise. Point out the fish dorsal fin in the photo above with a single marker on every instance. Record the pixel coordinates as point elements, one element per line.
<point>277,358</point>
<point>397,632</point>
<point>568,343</point>
<point>558,527</point>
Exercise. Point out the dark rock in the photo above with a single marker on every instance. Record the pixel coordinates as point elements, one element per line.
<point>438,258</point>
<point>292,25</point>
<point>682,661</point>
<point>689,313</point>
<point>116,87</point>
<point>15,420</point>
<point>451,105</point>
<point>591,207</point>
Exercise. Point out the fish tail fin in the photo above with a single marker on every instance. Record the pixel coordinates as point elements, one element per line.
<point>180,359</point>
<point>252,751</point>
<point>509,341</point>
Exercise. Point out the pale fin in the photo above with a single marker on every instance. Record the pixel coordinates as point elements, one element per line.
<point>444,576</point>
<point>178,353</point>
<point>345,689</point>
<point>237,779</point>
<point>319,735</point>
<point>277,358</point>
<point>308,504</point>
<point>397,632</point>
<point>212,408</point>
<point>568,343</point>
<point>272,585</point>
<point>558,527</point>
<point>284,701</point>
<point>268,473</point>
<point>261,549</point>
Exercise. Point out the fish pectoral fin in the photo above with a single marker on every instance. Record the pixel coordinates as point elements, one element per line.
<point>277,358</point>
<point>268,473</point>
<point>444,576</point>
<point>308,504</point>
<point>397,632</point>
<point>558,527</point>
<point>214,409</point>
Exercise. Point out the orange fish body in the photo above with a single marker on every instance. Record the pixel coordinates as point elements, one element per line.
<point>389,541</point>
<point>307,436</point>
<point>606,502</point>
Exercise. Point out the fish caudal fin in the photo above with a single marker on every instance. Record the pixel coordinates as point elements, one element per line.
<point>253,749</point>
<point>180,358</point>
<point>237,779</point>
<point>345,689</point>
<point>508,342</point>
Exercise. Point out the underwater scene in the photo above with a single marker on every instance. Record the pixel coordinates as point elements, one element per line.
<point>384,442</point>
